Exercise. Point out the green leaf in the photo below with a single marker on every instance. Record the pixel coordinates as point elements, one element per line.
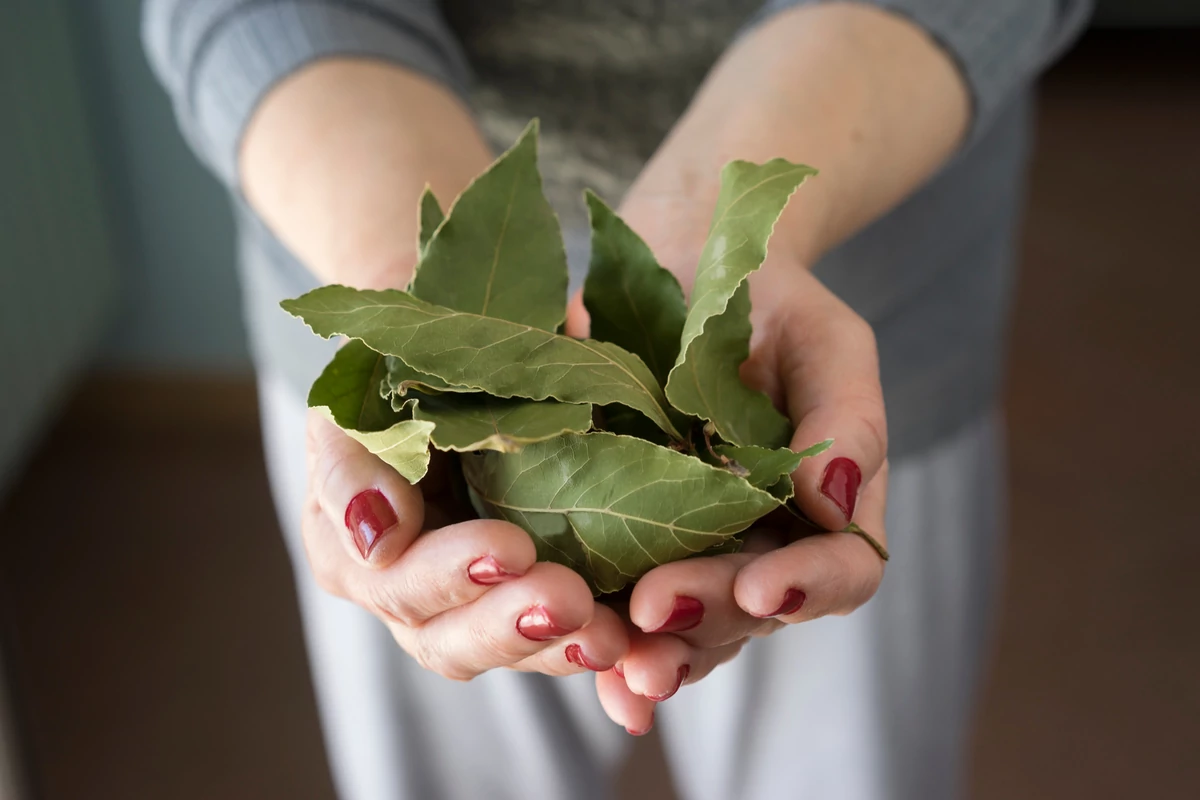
<point>400,379</point>
<point>349,388</point>
<point>502,358</point>
<point>348,393</point>
<point>468,422</point>
<point>632,300</point>
<point>429,217</point>
<point>499,253</point>
<point>716,335</point>
<point>632,505</point>
<point>769,470</point>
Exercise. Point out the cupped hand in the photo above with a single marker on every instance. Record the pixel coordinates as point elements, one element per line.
<point>817,360</point>
<point>461,597</point>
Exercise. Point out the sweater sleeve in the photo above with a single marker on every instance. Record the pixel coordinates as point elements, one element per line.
<point>219,58</point>
<point>999,46</point>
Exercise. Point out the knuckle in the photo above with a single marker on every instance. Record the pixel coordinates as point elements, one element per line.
<point>324,578</point>
<point>488,646</point>
<point>387,600</point>
<point>861,573</point>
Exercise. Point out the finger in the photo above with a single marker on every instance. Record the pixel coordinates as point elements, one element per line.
<point>694,599</point>
<point>509,623</point>
<point>578,321</point>
<point>631,711</point>
<point>658,665</point>
<point>829,573</point>
<point>830,372</point>
<point>443,570</point>
<point>597,647</point>
<point>380,512</point>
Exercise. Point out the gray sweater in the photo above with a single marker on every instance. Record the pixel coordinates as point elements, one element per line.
<point>608,78</point>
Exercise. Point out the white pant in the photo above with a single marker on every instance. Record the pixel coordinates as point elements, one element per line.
<point>871,706</point>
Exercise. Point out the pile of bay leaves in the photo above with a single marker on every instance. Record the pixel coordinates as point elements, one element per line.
<point>617,453</point>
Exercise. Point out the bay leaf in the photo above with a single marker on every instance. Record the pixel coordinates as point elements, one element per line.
<point>429,216</point>
<point>770,470</point>
<point>400,379</point>
<point>467,422</point>
<point>631,504</point>
<point>633,302</point>
<point>716,335</point>
<point>347,391</point>
<point>499,252</point>
<point>502,358</point>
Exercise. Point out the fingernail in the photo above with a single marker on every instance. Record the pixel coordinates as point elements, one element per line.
<point>537,625</point>
<point>575,656</point>
<point>368,517</point>
<point>840,484</point>
<point>793,599</point>
<point>617,668</point>
<point>486,571</point>
<point>682,674</point>
<point>686,614</point>
<point>644,730</point>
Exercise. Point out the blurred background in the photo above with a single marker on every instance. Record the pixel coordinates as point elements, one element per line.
<point>149,643</point>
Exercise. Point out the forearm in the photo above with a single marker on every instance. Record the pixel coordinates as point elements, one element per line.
<point>862,94</point>
<point>335,159</point>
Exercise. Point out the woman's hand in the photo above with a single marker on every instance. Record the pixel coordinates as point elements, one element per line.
<point>817,359</point>
<point>461,598</point>
<point>831,85</point>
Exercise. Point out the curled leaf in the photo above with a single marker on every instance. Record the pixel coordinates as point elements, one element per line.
<point>716,336</point>
<point>502,358</point>
<point>467,422</point>
<point>347,391</point>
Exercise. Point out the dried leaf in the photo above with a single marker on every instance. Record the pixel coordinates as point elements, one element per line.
<point>633,302</point>
<point>499,252</point>
<point>632,505</point>
<point>716,335</point>
<point>348,392</point>
<point>502,358</point>
<point>468,422</point>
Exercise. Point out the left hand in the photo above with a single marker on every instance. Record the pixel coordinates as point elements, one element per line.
<point>816,359</point>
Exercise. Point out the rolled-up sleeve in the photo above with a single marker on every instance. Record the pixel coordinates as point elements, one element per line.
<point>999,46</point>
<point>219,58</point>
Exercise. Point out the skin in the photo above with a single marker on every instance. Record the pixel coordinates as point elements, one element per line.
<point>334,161</point>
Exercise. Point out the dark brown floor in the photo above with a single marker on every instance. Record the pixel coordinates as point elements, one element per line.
<point>157,654</point>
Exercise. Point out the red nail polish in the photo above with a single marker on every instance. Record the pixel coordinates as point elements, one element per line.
<point>537,625</point>
<point>617,668</point>
<point>793,599</point>
<point>486,571</point>
<point>368,517</point>
<point>682,674</point>
<point>575,655</point>
<point>840,484</point>
<point>686,614</point>
<point>643,731</point>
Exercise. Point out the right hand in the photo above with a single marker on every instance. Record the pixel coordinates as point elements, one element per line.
<point>461,597</point>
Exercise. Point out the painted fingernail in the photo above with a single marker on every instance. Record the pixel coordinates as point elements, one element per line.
<point>681,676</point>
<point>620,670</point>
<point>686,614</point>
<point>537,625</point>
<point>643,731</point>
<point>793,599</point>
<point>840,484</point>
<point>575,656</point>
<point>486,571</point>
<point>368,517</point>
